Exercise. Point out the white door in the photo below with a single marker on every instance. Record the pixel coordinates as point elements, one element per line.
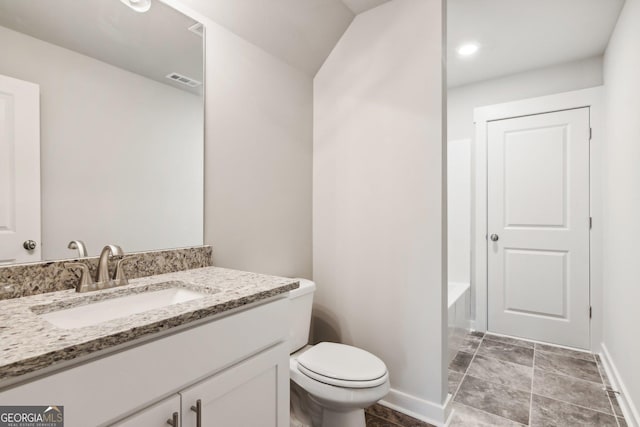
<point>19,170</point>
<point>538,227</point>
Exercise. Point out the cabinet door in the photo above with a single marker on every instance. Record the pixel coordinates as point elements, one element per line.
<point>154,416</point>
<point>252,393</point>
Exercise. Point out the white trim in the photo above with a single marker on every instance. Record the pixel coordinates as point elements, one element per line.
<point>579,350</point>
<point>591,98</point>
<point>455,290</point>
<point>629,409</point>
<point>468,281</point>
<point>423,410</point>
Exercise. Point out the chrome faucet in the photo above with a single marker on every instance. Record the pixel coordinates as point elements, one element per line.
<point>103,263</point>
<point>80,246</point>
<point>103,281</point>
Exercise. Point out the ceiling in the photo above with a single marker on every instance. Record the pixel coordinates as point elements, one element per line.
<point>152,44</point>
<point>520,35</point>
<point>359,6</point>
<point>514,35</point>
<point>302,33</point>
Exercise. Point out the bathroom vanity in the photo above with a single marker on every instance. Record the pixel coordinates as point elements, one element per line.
<point>220,357</point>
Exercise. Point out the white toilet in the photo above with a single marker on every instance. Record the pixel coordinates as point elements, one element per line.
<point>331,383</point>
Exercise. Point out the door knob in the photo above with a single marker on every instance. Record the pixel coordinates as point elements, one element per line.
<point>29,245</point>
<point>494,237</point>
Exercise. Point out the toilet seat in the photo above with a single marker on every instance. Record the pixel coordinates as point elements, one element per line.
<point>336,396</point>
<point>343,366</point>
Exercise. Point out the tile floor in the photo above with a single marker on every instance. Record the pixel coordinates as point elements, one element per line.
<point>497,381</point>
<point>381,416</point>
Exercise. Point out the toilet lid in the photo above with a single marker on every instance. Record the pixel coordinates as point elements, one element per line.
<point>342,365</point>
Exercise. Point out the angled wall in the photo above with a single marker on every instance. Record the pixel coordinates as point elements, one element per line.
<point>379,212</point>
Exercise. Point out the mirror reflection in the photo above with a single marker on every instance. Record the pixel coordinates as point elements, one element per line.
<point>101,128</point>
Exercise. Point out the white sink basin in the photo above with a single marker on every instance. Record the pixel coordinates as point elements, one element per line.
<point>115,308</point>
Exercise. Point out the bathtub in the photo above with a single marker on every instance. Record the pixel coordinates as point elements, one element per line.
<point>459,315</point>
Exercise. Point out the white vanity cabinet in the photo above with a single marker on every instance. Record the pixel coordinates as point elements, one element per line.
<point>236,365</point>
<point>244,395</point>
<point>156,415</point>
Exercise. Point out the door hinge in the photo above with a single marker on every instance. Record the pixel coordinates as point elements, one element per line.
<point>590,312</point>
<point>590,134</point>
<point>590,222</point>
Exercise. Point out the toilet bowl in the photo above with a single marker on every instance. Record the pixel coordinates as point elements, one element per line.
<point>331,383</point>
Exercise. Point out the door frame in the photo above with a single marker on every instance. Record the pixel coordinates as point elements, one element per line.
<point>591,98</point>
<point>26,125</point>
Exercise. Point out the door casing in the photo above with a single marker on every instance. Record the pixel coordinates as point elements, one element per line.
<point>22,102</point>
<point>591,98</point>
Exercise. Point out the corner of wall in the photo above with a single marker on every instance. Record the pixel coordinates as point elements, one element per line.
<point>379,189</point>
<point>628,406</point>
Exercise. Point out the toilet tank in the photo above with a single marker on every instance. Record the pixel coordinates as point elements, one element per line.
<point>300,303</point>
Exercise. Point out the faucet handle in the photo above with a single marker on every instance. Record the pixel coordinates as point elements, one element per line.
<point>86,282</point>
<point>118,275</point>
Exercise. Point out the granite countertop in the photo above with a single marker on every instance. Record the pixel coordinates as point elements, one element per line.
<point>29,343</point>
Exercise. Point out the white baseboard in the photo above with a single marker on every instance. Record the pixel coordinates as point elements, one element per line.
<point>476,326</point>
<point>423,410</point>
<point>629,409</point>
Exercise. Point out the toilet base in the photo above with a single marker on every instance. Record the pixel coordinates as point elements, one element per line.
<point>306,412</point>
<point>354,418</point>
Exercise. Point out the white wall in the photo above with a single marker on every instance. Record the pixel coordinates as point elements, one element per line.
<point>459,210</point>
<point>462,100</point>
<point>622,201</point>
<point>121,154</point>
<point>379,256</point>
<point>258,147</point>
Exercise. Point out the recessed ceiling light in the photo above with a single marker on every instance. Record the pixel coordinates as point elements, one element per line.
<point>468,49</point>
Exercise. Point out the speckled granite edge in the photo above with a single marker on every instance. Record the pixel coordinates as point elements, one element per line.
<point>50,276</point>
<point>33,344</point>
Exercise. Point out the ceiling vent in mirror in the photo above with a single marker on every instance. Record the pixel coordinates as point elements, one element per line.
<point>187,81</point>
<point>197,28</point>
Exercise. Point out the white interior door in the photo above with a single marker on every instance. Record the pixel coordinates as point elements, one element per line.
<point>19,170</point>
<point>538,227</point>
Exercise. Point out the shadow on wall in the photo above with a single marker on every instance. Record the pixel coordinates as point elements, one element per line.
<point>324,326</point>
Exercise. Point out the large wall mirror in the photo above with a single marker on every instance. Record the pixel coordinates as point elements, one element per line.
<point>120,120</point>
